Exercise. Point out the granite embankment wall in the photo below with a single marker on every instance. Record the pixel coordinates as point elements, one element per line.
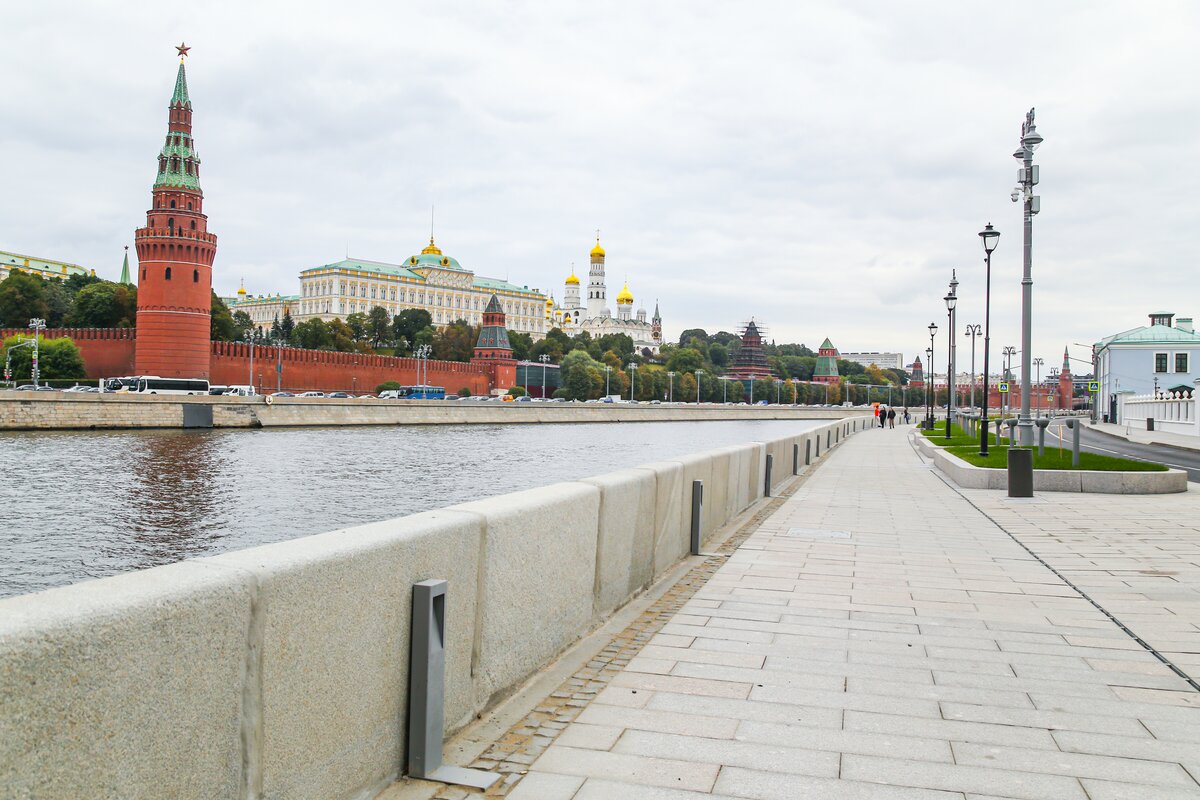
<point>282,671</point>
<point>59,411</point>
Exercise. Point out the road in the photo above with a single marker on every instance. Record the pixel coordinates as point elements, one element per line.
<point>1094,442</point>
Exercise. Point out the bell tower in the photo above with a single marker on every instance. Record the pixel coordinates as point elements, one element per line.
<point>175,255</point>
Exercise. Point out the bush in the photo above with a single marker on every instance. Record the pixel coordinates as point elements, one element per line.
<point>464,392</point>
<point>387,386</point>
<point>57,358</point>
<point>517,391</point>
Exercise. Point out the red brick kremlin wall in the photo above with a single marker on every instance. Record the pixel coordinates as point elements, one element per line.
<point>109,352</point>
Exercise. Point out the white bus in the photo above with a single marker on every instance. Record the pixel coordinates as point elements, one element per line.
<point>152,384</point>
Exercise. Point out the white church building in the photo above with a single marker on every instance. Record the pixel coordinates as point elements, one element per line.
<point>574,316</point>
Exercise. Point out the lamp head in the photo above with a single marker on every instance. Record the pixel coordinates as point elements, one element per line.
<point>932,329</point>
<point>1032,139</point>
<point>990,237</point>
<point>951,301</point>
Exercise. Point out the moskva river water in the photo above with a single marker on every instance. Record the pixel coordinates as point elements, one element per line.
<point>78,505</point>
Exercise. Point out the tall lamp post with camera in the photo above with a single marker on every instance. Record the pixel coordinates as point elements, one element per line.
<point>1027,178</point>
<point>990,237</point>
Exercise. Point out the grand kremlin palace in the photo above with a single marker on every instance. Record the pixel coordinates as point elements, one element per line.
<point>432,281</point>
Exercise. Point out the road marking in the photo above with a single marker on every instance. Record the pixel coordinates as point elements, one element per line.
<point>1125,455</point>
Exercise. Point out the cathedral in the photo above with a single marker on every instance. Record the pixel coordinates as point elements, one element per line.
<point>574,316</point>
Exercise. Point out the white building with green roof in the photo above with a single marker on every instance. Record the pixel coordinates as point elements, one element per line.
<point>1160,355</point>
<point>431,281</point>
<point>46,268</point>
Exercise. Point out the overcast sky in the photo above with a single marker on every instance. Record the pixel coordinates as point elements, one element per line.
<point>819,166</point>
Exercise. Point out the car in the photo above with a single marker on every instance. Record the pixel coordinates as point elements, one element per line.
<point>525,399</point>
<point>656,402</point>
<point>79,388</point>
<point>311,394</point>
<point>558,399</point>
<point>45,389</point>
<point>340,395</point>
<point>26,387</point>
<point>282,394</point>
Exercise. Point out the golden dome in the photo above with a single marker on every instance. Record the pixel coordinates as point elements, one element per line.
<point>432,249</point>
<point>597,251</point>
<point>242,290</point>
<point>572,280</point>
<point>625,297</point>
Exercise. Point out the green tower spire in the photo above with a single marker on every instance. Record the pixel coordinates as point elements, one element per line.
<point>180,96</point>
<point>125,269</point>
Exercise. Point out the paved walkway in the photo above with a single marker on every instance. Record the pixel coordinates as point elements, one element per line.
<point>882,635</point>
<point>1132,433</point>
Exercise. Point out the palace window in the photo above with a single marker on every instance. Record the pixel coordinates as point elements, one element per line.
<point>1160,362</point>
<point>1181,362</point>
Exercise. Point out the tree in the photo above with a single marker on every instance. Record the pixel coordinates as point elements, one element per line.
<point>521,344</point>
<point>688,335</point>
<point>456,341</point>
<point>463,392</point>
<point>57,358</point>
<point>243,324</point>
<point>718,354</point>
<point>313,334</point>
<point>104,305</point>
<point>58,303</point>
<point>221,327</point>
<point>78,281</point>
<point>516,391</point>
<point>410,322</point>
<point>619,343</point>
<point>276,330</point>
<point>22,298</point>
<point>342,337</point>
<point>685,359</point>
<point>387,386</point>
<point>378,326</point>
<point>287,326</point>
<point>357,323</point>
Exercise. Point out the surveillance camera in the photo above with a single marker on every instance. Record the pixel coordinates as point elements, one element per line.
<point>1016,195</point>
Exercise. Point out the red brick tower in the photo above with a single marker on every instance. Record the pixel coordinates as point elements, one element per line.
<point>916,376</point>
<point>493,350</point>
<point>1066,385</point>
<point>176,253</point>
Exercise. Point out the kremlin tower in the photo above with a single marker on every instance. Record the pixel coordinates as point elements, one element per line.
<point>1066,385</point>
<point>176,252</point>
<point>493,351</point>
<point>597,299</point>
<point>826,370</point>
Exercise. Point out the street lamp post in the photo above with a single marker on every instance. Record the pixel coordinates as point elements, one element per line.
<point>990,238</point>
<point>932,393</point>
<point>37,325</point>
<point>1054,381</point>
<point>929,389</point>
<point>1027,178</point>
<point>699,372</point>
<point>250,341</point>
<point>973,331</point>
<point>607,374</point>
<point>951,301</point>
<point>793,382</point>
<point>724,390</point>
<point>778,388</point>
<point>632,367</point>
<point>670,386</point>
<point>544,357</point>
<point>1037,362</point>
<point>1008,353</point>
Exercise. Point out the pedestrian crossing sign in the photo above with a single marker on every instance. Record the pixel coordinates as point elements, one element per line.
<point>1004,387</point>
<point>1093,386</point>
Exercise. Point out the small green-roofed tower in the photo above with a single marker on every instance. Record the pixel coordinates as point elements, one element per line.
<point>125,279</point>
<point>826,370</point>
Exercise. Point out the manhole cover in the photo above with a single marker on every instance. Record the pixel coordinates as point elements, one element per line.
<point>817,533</point>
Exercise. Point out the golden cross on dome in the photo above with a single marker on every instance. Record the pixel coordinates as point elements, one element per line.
<point>183,50</point>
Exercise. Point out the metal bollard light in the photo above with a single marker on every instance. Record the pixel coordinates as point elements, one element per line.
<point>1073,424</point>
<point>1042,423</point>
<point>427,692</point>
<point>697,509</point>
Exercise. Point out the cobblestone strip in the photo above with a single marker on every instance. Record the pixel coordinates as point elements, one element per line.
<point>513,752</point>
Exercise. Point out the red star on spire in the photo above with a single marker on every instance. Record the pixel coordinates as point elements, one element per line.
<point>183,49</point>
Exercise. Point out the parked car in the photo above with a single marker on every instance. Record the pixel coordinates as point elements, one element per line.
<point>79,388</point>
<point>311,394</point>
<point>26,387</point>
<point>282,394</point>
<point>45,389</point>
<point>525,399</point>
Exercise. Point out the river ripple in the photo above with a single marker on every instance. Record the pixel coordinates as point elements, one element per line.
<point>79,505</point>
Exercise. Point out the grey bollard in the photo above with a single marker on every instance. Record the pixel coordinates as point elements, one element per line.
<point>1012,432</point>
<point>796,459</point>
<point>1073,424</point>
<point>828,439</point>
<point>1041,423</point>
<point>1020,472</point>
<point>807,452</point>
<point>427,692</point>
<point>767,475</point>
<point>999,424</point>
<point>697,509</point>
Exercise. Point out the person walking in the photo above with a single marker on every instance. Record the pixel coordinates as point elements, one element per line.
<point>891,417</point>
<point>882,417</point>
<point>906,415</point>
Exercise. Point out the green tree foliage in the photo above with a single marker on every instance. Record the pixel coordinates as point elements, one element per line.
<point>313,334</point>
<point>687,336</point>
<point>516,391</point>
<point>456,341</point>
<point>387,386</point>
<point>409,323</point>
<point>463,392</point>
<point>686,359</point>
<point>57,359</point>
<point>22,298</point>
<point>379,326</point>
<point>619,343</point>
<point>59,300</point>
<point>221,326</point>
<point>104,305</point>
<point>718,355</point>
<point>287,327</point>
<point>582,377</point>
<point>243,324</point>
<point>357,323</point>
<point>76,282</point>
<point>521,344</point>
<point>343,339</point>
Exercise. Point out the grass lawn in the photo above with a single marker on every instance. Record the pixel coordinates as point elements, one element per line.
<point>997,458</point>
<point>958,437</point>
